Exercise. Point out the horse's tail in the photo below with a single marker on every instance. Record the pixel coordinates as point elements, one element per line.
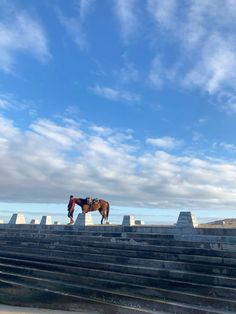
<point>108,208</point>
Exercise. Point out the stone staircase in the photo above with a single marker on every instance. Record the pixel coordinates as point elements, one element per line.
<point>114,270</point>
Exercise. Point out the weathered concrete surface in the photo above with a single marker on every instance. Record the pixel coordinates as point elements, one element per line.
<point>187,220</point>
<point>128,220</point>
<point>84,220</point>
<point>7,309</point>
<point>17,219</point>
<point>127,268</point>
<point>46,220</point>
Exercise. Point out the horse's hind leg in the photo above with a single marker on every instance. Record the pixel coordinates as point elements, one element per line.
<point>100,211</point>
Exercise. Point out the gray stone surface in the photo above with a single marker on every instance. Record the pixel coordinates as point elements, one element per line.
<point>46,220</point>
<point>187,220</point>
<point>153,270</point>
<point>128,220</point>
<point>84,220</point>
<point>17,219</point>
<point>34,221</point>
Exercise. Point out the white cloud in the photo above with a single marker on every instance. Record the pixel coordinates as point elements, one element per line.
<point>21,33</point>
<point>126,12</point>
<point>165,142</point>
<point>116,94</point>
<point>228,147</point>
<point>156,74</point>
<point>230,106</point>
<point>7,129</point>
<point>9,102</point>
<point>163,11</point>
<point>74,28</point>
<point>65,136</point>
<point>4,102</point>
<point>74,24</point>
<point>217,65</point>
<point>128,72</point>
<point>203,33</point>
<point>84,8</point>
<point>50,160</point>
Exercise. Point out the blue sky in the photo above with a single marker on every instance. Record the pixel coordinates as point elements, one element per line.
<point>129,100</point>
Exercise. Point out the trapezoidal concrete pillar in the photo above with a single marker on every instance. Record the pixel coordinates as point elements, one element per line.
<point>17,219</point>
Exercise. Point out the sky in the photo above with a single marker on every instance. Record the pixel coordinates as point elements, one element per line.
<point>132,101</point>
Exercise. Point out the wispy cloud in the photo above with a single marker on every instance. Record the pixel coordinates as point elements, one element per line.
<point>126,12</point>
<point>116,94</point>
<point>163,11</point>
<point>228,147</point>
<point>129,72</point>
<point>21,33</point>
<point>216,67</point>
<point>9,102</point>
<point>203,33</point>
<point>165,142</point>
<point>84,8</point>
<point>230,104</point>
<point>66,136</point>
<point>74,23</point>
<point>5,102</point>
<point>157,73</point>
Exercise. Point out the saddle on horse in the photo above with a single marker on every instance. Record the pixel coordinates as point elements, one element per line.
<point>91,201</point>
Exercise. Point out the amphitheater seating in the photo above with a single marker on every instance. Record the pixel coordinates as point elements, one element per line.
<point>118,270</point>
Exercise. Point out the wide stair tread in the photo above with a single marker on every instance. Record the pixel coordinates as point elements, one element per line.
<point>199,253</point>
<point>155,264</point>
<point>110,297</point>
<point>116,285</point>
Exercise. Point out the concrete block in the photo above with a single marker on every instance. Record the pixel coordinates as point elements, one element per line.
<point>84,219</point>
<point>139,222</point>
<point>128,220</point>
<point>34,222</point>
<point>187,220</point>
<point>46,220</point>
<point>17,219</point>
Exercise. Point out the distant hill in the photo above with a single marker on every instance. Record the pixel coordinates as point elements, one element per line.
<point>228,221</point>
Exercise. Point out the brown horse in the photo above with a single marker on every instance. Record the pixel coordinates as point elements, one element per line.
<point>100,205</point>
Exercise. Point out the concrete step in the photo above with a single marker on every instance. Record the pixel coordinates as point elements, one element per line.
<point>117,257</point>
<point>131,269</point>
<point>118,243</point>
<point>126,238</point>
<point>149,281</point>
<point>123,299</point>
<point>15,293</point>
<point>143,291</point>
<point>130,252</point>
